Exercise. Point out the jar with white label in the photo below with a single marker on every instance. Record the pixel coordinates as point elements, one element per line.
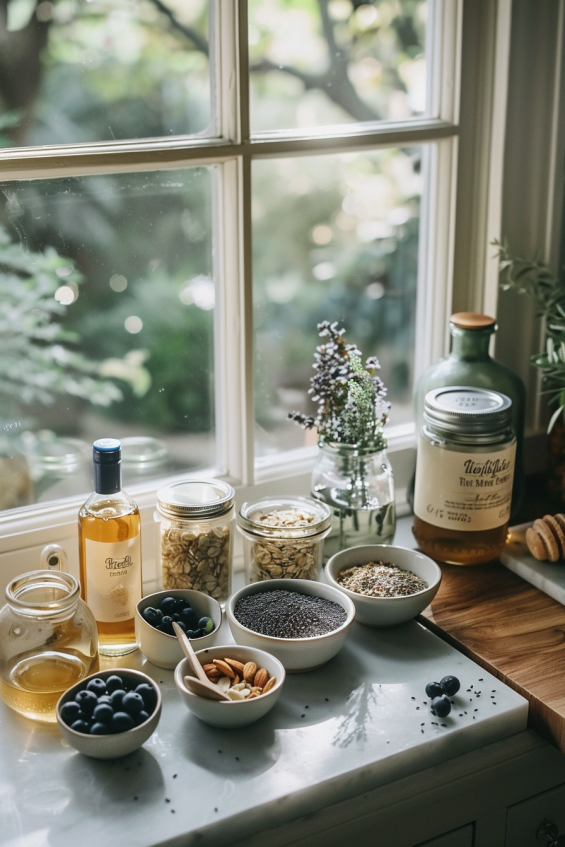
<point>464,475</point>
<point>195,522</point>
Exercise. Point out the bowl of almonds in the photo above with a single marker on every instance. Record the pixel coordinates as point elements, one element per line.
<point>251,679</point>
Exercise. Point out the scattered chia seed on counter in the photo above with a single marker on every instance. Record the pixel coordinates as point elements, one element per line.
<point>289,614</point>
<point>377,579</point>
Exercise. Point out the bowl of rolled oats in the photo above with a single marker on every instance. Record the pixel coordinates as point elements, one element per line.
<point>388,585</point>
<point>283,538</point>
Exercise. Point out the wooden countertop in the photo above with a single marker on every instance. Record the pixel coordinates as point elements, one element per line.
<point>512,630</point>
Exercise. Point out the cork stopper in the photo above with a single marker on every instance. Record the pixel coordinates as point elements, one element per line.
<point>472,320</point>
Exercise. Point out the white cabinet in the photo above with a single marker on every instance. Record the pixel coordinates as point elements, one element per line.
<point>462,837</point>
<point>524,819</point>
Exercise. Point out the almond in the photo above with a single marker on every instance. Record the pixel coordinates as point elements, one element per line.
<point>224,668</point>
<point>249,671</point>
<point>235,680</point>
<point>269,684</point>
<point>209,668</point>
<point>237,666</point>
<point>261,678</point>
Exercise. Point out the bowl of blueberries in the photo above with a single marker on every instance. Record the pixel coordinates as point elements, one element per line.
<point>109,714</point>
<point>197,614</point>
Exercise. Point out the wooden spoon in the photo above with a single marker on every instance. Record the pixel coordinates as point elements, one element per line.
<point>205,689</point>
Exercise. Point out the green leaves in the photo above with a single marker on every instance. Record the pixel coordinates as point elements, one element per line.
<point>534,279</point>
<point>36,363</point>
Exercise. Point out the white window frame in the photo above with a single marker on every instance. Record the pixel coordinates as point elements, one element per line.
<point>24,532</point>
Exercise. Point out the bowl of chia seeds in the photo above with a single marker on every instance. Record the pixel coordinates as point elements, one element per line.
<point>301,622</point>
<point>388,585</point>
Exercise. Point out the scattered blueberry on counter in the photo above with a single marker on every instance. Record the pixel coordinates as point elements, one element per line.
<point>440,692</point>
<point>109,706</point>
<point>180,611</point>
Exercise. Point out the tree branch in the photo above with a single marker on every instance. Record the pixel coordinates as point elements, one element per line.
<point>189,32</point>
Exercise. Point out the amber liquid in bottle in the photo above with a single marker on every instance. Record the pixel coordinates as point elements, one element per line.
<point>459,548</point>
<point>110,553</point>
<point>107,521</point>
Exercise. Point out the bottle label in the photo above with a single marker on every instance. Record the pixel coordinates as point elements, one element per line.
<point>463,491</point>
<point>113,579</point>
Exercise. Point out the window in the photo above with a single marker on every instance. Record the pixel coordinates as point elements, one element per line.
<point>197,184</point>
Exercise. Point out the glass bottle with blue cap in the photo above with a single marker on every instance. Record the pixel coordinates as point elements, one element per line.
<point>110,552</point>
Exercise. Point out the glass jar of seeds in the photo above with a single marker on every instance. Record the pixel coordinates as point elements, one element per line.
<point>283,537</point>
<point>195,520</point>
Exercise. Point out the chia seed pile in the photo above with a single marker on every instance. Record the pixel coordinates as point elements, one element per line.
<point>289,614</point>
<point>378,579</point>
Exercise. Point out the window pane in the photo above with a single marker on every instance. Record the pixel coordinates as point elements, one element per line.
<point>106,328</point>
<point>75,71</point>
<point>320,62</point>
<point>335,238</point>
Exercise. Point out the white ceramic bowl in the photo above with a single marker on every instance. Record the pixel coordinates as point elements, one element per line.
<point>164,650</point>
<point>296,654</point>
<point>236,713</point>
<point>117,744</point>
<point>386,611</point>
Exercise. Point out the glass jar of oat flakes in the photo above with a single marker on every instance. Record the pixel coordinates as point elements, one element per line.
<point>195,520</point>
<point>283,537</point>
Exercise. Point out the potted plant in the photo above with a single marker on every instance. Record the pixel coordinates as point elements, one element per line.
<point>535,279</point>
<point>352,473</point>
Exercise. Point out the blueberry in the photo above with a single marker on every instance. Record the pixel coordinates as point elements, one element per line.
<point>103,713</point>
<point>189,617</point>
<point>148,695</point>
<point>169,605</point>
<point>70,712</point>
<point>206,624</point>
<point>182,625</point>
<point>141,718</point>
<point>167,624</point>
<point>80,726</point>
<point>434,689</point>
<point>113,683</point>
<point>99,729</point>
<point>176,617</point>
<point>87,701</point>
<point>441,706</point>
<point>191,633</point>
<point>132,703</point>
<point>116,698</point>
<point>97,686</point>
<point>450,685</point>
<point>121,722</point>
<point>198,633</point>
<point>161,628</point>
<point>105,698</point>
<point>152,616</point>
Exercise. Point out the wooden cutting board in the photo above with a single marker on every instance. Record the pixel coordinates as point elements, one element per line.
<point>513,630</point>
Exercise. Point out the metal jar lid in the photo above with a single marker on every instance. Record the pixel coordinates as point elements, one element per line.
<point>195,498</point>
<point>251,516</point>
<point>467,411</point>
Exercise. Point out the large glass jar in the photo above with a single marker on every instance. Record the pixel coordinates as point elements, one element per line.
<point>470,363</point>
<point>464,475</point>
<point>48,642</point>
<point>195,522</point>
<point>283,537</point>
<point>357,484</point>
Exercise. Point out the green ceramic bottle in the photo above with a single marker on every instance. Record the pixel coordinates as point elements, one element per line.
<point>470,364</point>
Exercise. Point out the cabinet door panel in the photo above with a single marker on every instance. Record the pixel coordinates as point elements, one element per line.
<point>462,837</point>
<point>524,818</point>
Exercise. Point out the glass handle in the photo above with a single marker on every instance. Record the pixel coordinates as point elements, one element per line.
<point>53,558</point>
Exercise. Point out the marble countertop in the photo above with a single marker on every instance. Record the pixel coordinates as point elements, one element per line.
<point>357,723</point>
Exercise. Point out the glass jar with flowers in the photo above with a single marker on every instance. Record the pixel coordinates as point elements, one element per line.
<point>352,473</point>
